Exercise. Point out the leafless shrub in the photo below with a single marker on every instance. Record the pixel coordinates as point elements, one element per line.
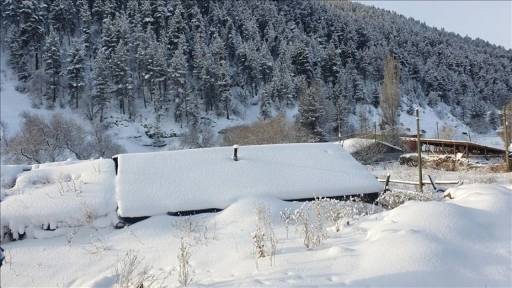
<point>56,138</point>
<point>286,217</point>
<point>264,239</point>
<point>184,273</point>
<point>130,273</point>
<point>198,137</point>
<point>397,197</point>
<point>66,184</point>
<point>71,236</point>
<point>96,245</point>
<point>311,236</point>
<point>319,210</point>
<point>339,212</point>
<point>191,231</point>
<point>274,131</point>
<point>447,132</point>
<point>194,229</point>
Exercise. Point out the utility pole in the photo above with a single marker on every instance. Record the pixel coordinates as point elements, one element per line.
<point>418,144</point>
<point>506,138</point>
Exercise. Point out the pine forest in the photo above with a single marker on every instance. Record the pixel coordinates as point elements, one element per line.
<point>190,60</point>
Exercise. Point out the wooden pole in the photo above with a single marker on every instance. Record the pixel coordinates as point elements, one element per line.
<point>418,144</point>
<point>506,138</point>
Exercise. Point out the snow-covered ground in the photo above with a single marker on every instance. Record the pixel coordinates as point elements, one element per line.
<point>67,212</point>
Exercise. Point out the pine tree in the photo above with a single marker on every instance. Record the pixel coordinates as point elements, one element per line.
<point>52,67</point>
<point>178,78</point>
<point>358,89</point>
<point>75,73</point>
<point>224,85</point>
<point>100,97</point>
<point>121,77</point>
<point>330,65</point>
<point>301,62</point>
<point>31,31</point>
<point>310,111</point>
<point>85,26</point>
<point>376,97</point>
<point>266,103</point>
<point>176,28</point>
<point>193,111</point>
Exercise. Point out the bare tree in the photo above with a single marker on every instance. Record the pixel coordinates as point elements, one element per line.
<point>57,138</point>
<point>390,100</point>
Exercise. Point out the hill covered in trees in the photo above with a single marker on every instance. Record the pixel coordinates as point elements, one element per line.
<point>189,60</point>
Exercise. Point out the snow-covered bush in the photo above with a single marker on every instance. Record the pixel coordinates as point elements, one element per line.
<point>130,272</point>
<point>264,239</point>
<point>312,237</point>
<point>286,217</point>
<point>184,273</point>
<point>191,231</point>
<point>396,197</point>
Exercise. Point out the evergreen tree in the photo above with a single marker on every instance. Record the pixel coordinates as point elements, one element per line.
<point>494,120</point>
<point>224,86</point>
<point>375,97</point>
<point>266,103</point>
<point>178,78</point>
<point>193,111</point>
<point>75,73</point>
<point>302,64</point>
<point>330,65</point>
<point>121,79</point>
<point>358,89</point>
<point>176,28</point>
<point>100,97</point>
<point>86,26</point>
<point>31,31</point>
<point>52,67</point>
<point>310,111</point>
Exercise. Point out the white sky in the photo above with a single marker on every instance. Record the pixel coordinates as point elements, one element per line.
<point>487,20</point>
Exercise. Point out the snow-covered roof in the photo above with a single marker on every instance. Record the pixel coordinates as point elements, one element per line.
<point>155,183</point>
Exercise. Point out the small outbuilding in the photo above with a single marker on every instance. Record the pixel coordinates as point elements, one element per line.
<point>155,183</point>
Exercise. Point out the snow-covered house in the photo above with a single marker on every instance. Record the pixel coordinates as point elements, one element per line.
<point>156,183</point>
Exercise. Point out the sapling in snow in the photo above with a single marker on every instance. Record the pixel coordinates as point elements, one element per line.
<point>264,239</point>
<point>286,216</point>
<point>309,231</point>
<point>184,273</point>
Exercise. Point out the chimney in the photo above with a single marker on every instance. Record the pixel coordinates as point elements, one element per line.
<point>235,152</point>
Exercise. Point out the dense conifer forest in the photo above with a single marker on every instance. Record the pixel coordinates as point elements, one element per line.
<point>189,59</point>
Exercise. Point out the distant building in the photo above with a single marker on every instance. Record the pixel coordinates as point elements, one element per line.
<point>454,147</point>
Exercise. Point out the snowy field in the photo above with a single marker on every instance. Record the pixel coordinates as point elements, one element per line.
<point>66,211</point>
